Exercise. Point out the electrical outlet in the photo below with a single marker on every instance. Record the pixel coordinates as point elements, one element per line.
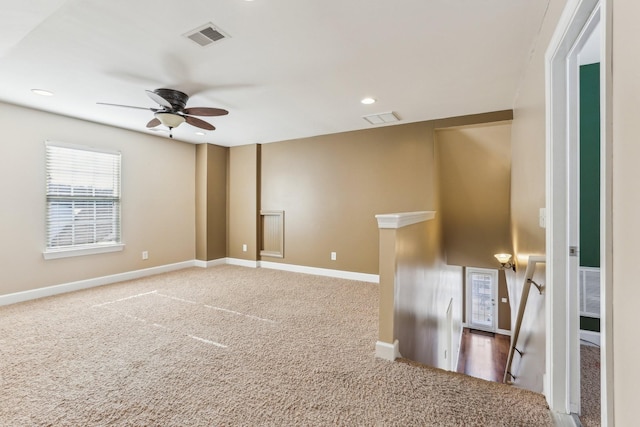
<point>244,248</point>
<point>334,256</point>
<point>145,255</point>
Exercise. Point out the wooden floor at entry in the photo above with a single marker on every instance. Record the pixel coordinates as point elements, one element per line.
<point>483,354</point>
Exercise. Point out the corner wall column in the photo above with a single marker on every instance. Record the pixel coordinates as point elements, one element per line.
<point>387,347</point>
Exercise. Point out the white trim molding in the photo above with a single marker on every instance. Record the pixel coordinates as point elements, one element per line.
<point>562,364</point>
<point>90,283</point>
<point>212,263</point>
<point>399,220</point>
<point>498,331</point>
<point>48,291</point>
<point>81,251</point>
<point>340,274</point>
<point>242,262</point>
<point>387,351</point>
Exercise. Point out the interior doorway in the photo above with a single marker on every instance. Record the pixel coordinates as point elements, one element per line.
<point>581,20</point>
<point>586,222</point>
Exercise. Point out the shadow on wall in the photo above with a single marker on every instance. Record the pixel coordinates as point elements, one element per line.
<point>425,287</point>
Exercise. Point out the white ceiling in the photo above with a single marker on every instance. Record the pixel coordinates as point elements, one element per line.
<point>290,69</point>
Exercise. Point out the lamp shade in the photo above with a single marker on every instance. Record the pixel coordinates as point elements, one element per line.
<point>503,258</point>
<point>170,120</point>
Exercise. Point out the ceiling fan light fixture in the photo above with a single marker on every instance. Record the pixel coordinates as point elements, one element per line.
<point>170,120</point>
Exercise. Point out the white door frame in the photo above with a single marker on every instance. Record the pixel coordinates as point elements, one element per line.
<point>494,274</point>
<point>562,352</point>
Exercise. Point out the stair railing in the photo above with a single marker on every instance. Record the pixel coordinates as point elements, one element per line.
<point>528,281</point>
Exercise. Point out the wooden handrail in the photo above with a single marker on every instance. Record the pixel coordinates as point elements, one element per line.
<point>528,281</point>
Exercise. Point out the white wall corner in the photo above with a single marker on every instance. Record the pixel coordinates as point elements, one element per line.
<point>388,351</point>
<point>403,219</point>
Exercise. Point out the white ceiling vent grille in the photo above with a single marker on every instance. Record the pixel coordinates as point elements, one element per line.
<point>381,118</point>
<point>206,34</point>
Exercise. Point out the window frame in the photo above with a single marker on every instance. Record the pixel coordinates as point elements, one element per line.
<point>90,248</point>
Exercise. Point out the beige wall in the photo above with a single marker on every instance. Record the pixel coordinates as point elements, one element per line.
<point>218,158</point>
<point>332,186</point>
<point>527,197</point>
<point>475,176</point>
<point>626,211</point>
<point>504,308</point>
<point>202,167</point>
<point>158,200</point>
<point>243,199</point>
<point>211,202</point>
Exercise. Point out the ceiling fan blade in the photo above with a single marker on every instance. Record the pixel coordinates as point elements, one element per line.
<point>204,111</point>
<point>199,123</point>
<point>158,99</point>
<point>128,106</point>
<point>153,123</point>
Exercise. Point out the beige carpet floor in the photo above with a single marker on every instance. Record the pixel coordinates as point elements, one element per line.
<point>590,385</point>
<point>229,346</point>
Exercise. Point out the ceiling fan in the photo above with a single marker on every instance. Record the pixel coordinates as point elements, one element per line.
<point>172,112</point>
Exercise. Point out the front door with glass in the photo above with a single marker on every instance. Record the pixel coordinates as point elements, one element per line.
<point>482,287</point>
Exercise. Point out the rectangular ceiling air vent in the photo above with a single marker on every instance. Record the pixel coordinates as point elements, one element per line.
<point>378,119</point>
<point>206,34</point>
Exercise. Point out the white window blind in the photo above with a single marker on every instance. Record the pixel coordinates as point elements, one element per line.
<point>83,197</point>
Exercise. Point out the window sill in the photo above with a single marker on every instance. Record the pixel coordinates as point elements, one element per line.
<point>90,250</point>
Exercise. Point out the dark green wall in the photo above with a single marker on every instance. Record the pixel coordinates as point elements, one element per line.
<point>590,175</point>
<point>590,165</point>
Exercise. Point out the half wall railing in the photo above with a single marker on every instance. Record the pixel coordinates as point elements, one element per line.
<point>528,281</point>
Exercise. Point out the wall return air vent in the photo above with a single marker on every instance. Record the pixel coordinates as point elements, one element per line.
<point>206,34</point>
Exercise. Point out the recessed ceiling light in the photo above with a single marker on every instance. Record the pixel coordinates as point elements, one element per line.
<point>200,133</point>
<point>368,101</point>
<point>42,92</point>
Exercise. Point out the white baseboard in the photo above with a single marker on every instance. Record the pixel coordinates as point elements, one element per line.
<point>503,332</point>
<point>340,274</point>
<point>458,349</point>
<point>388,351</point>
<point>565,420</point>
<point>213,263</point>
<point>137,274</point>
<point>590,337</point>
<point>242,262</point>
<point>90,283</point>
